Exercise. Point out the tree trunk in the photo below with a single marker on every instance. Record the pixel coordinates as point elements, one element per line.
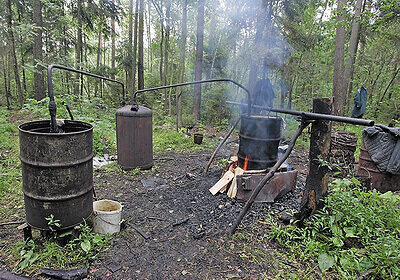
<point>199,59</point>
<point>353,45</point>
<point>149,51</point>
<point>129,78</point>
<point>113,34</point>
<point>99,50</point>
<point>135,46</point>
<point>318,173</point>
<point>212,46</point>
<point>166,49</point>
<point>140,52</point>
<point>260,24</point>
<point>40,91</point>
<point>6,87</point>
<point>22,55</point>
<point>181,65</point>
<point>78,48</point>
<point>396,71</point>
<point>339,90</point>
<point>13,53</point>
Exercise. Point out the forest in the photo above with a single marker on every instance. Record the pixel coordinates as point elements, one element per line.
<point>299,51</point>
<point>306,48</point>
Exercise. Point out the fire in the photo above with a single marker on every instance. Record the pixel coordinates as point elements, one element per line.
<point>246,161</point>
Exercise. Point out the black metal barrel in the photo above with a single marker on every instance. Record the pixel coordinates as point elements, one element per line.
<point>258,141</point>
<point>134,137</point>
<point>57,171</point>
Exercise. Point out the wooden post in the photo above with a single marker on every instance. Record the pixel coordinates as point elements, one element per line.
<point>317,178</point>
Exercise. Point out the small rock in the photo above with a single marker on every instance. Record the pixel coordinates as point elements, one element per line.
<point>114,267</point>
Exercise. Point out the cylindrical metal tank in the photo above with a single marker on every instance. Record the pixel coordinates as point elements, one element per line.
<point>259,138</point>
<point>57,172</point>
<point>134,137</point>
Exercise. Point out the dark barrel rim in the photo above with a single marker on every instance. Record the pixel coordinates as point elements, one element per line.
<point>29,126</point>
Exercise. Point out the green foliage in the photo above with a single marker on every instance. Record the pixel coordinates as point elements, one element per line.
<point>9,162</point>
<point>356,231</point>
<point>79,251</point>
<point>166,140</point>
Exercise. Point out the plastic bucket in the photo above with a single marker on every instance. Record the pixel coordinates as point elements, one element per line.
<point>106,216</point>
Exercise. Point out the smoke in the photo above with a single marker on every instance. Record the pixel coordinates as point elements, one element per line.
<point>257,47</point>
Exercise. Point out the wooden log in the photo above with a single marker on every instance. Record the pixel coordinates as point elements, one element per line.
<point>317,178</point>
<point>320,142</point>
<point>228,176</point>
<point>233,189</point>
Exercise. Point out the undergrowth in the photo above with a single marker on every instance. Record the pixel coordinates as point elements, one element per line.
<point>11,178</point>
<point>355,233</point>
<point>54,252</point>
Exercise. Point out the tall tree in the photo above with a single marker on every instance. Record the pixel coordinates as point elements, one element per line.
<point>199,59</point>
<point>40,91</point>
<point>13,52</point>
<point>166,48</point>
<point>113,35</point>
<point>100,46</point>
<point>78,46</point>
<point>135,46</point>
<point>353,45</point>
<point>141,46</point>
<point>260,24</point>
<point>339,90</point>
<point>129,80</point>
<point>181,65</point>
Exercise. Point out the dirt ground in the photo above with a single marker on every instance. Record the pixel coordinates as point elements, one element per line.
<point>175,228</point>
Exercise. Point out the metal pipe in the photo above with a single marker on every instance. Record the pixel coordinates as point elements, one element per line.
<point>52,104</point>
<point>135,106</point>
<point>310,116</point>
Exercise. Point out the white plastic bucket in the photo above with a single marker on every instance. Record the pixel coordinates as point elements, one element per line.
<point>106,216</point>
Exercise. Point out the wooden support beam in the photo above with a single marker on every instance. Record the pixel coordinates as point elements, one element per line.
<point>317,178</point>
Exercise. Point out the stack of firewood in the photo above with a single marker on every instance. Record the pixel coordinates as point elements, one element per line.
<point>343,146</point>
<point>228,180</point>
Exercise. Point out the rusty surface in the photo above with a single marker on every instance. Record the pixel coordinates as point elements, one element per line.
<point>134,138</point>
<point>259,140</point>
<point>57,172</point>
<point>382,181</point>
<point>279,185</point>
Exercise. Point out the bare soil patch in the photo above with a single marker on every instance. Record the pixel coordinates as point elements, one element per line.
<point>175,228</point>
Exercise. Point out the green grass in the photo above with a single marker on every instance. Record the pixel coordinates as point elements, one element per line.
<point>169,140</point>
<point>356,232</point>
<point>78,251</point>
<point>11,178</point>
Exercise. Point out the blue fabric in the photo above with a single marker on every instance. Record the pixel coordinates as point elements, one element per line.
<point>360,103</point>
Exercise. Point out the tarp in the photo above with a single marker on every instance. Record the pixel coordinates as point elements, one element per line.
<point>383,145</point>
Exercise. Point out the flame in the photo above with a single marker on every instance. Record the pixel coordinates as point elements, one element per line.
<point>246,161</point>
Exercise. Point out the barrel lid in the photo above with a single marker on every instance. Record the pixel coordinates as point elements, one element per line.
<point>127,112</point>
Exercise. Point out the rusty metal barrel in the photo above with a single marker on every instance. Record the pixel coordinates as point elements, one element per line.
<point>134,137</point>
<point>57,172</point>
<point>382,181</point>
<point>259,139</point>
